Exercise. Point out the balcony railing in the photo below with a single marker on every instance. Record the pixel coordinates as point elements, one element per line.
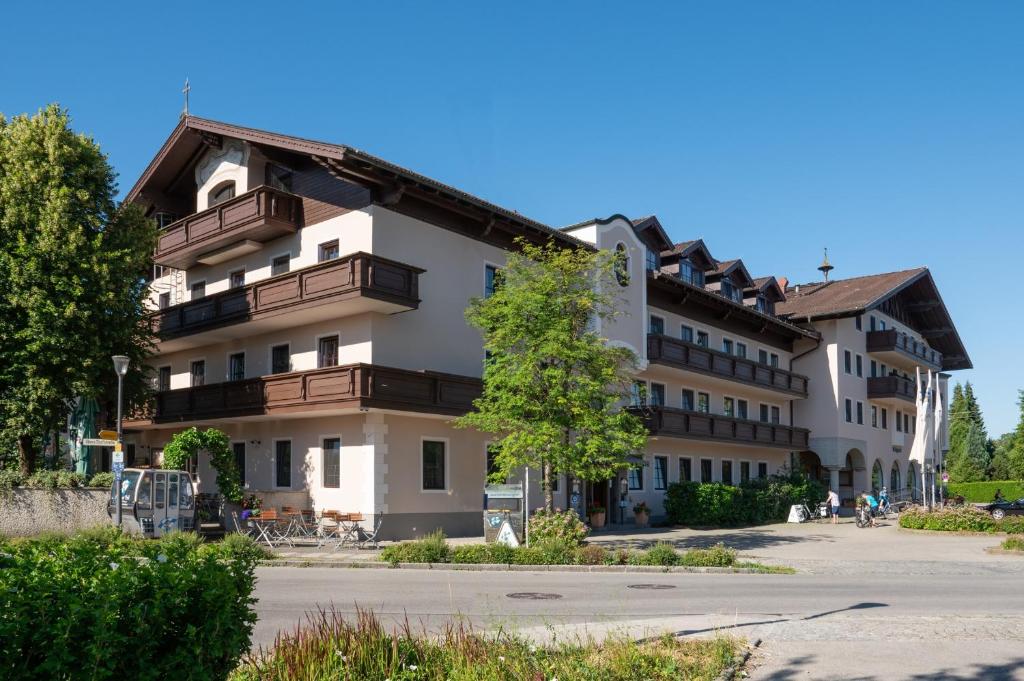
<point>382,285</point>
<point>258,215</point>
<point>891,340</point>
<point>678,353</point>
<point>682,423</point>
<point>884,387</point>
<point>363,386</point>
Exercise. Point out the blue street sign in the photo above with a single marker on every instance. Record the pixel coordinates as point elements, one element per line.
<point>118,469</point>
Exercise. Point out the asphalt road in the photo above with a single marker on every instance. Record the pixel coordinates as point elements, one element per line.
<point>813,626</point>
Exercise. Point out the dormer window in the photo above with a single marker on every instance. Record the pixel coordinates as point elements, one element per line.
<point>690,274</point>
<point>730,291</point>
<point>764,305</point>
<point>221,193</point>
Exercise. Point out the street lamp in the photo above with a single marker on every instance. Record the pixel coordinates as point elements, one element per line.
<point>120,368</point>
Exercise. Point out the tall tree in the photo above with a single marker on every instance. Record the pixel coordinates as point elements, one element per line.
<point>999,465</point>
<point>972,465</point>
<point>959,423</point>
<point>1015,454</point>
<point>553,387</point>
<point>72,267</point>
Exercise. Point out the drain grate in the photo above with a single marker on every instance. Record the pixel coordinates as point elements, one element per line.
<point>651,587</point>
<point>534,596</point>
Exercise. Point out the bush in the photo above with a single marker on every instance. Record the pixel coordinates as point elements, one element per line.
<point>55,479</point>
<point>558,526</point>
<point>754,502</point>
<point>1013,544</point>
<point>955,519</point>
<point>105,480</point>
<point>79,606</point>
<point>718,555</point>
<point>429,549</point>
<point>985,492</point>
<point>591,554</point>
<point>661,553</point>
<point>9,479</point>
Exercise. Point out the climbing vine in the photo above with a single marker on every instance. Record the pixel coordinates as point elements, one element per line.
<point>187,444</point>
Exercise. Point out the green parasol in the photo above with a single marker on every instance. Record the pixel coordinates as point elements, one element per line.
<point>82,424</point>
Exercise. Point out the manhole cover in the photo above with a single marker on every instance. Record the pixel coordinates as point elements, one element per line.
<point>534,596</point>
<point>652,587</point>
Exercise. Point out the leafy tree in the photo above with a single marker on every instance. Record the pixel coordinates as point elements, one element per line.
<point>553,387</point>
<point>71,284</point>
<point>959,423</point>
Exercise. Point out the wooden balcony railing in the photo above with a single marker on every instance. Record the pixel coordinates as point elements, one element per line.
<point>662,349</point>
<point>380,284</point>
<point>362,386</point>
<point>258,215</point>
<point>883,387</point>
<point>681,423</point>
<point>891,340</point>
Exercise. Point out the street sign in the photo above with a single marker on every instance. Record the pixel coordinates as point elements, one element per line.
<point>98,442</point>
<point>504,491</point>
<point>108,434</point>
<point>118,469</point>
<point>118,456</point>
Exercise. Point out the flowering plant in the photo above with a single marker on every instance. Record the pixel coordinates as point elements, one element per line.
<point>641,508</point>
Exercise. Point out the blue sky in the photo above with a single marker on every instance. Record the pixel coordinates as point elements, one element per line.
<point>893,133</point>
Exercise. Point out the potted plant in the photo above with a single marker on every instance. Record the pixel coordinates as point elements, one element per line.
<point>641,514</point>
<point>596,515</point>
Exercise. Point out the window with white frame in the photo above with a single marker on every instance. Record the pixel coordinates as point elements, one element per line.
<point>741,350</point>
<point>236,366</point>
<point>328,251</point>
<point>762,469</point>
<point>280,264</point>
<point>198,290</point>
<point>849,410</point>
<point>848,361</point>
<point>729,406</point>
<point>704,402</point>
<point>744,471</point>
<point>727,346</point>
<point>726,471</point>
<point>860,366</point>
<point>660,472</point>
<point>687,399</point>
<point>741,409</point>
<point>705,470</point>
<point>238,449</point>
<point>703,339</point>
<point>860,412</point>
<point>491,282</point>
<point>686,333</point>
<point>685,469</point>
<point>657,395</point>
<point>331,452</point>
<point>776,415</point>
<point>763,413</point>
<point>434,465</point>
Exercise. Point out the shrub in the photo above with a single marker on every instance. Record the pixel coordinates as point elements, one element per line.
<point>556,553</point>
<point>102,480</point>
<point>718,555</point>
<point>9,479</point>
<point>474,554</point>
<point>754,502</point>
<point>661,553</point>
<point>591,554</point>
<point>429,549</point>
<point>55,479</point>
<point>558,526</point>
<point>78,607</point>
<point>985,492</point>
<point>955,519</point>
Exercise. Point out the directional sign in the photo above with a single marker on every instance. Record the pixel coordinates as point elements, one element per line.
<point>108,434</point>
<point>98,442</point>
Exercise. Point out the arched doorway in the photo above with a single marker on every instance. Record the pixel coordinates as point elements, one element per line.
<point>894,478</point>
<point>913,475</point>
<point>877,476</point>
<point>810,465</point>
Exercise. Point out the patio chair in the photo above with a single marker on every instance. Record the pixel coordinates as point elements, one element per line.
<point>273,527</point>
<point>369,538</point>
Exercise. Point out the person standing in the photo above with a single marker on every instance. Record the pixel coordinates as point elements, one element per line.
<point>833,501</point>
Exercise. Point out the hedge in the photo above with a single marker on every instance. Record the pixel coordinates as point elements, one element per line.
<point>100,605</point>
<point>754,502</point>
<point>959,519</point>
<point>985,492</point>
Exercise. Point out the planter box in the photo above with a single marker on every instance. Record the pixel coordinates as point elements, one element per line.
<point>597,520</point>
<point>641,519</point>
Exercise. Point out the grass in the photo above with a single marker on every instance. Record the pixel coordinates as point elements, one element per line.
<point>329,647</point>
<point>1013,544</point>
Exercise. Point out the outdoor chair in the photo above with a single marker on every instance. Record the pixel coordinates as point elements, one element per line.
<point>368,539</point>
<point>272,528</point>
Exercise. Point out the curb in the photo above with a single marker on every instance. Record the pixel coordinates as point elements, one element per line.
<point>995,550</point>
<point>729,673</point>
<point>501,567</point>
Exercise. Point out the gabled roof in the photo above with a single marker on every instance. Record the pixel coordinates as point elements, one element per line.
<point>727,267</point>
<point>764,285</point>
<point>684,249</point>
<point>856,295</point>
<point>187,141</point>
<point>651,225</point>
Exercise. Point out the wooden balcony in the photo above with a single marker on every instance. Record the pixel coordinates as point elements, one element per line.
<point>255,217</point>
<point>673,352</point>
<point>352,386</point>
<point>362,282</point>
<point>672,422</point>
<point>892,388</point>
<point>894,346</point>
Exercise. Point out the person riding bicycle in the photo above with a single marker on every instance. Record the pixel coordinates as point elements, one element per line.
<point>883,500</point>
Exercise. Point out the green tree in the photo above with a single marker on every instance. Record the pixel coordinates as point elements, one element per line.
<point>553,387</point>
<point>1015,454</point>
<point>71,277</point>
<point>973,464</point>
<point>999,465</point>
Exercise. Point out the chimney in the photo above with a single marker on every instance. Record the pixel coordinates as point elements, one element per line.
<point>783,283</point>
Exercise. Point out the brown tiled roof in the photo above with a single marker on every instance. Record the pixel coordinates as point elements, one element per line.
<point>758,282</point>
<point>640,221</point>
<point>724,265</point>
<point>842,296</point>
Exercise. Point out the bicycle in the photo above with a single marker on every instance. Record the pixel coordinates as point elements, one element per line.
<point>822,512</point>
<point>864,516</point>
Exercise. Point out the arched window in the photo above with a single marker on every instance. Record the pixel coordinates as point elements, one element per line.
<point>221,193</point>
<point>894,477</point>
<point>877,476</point>
<point>621,266</point>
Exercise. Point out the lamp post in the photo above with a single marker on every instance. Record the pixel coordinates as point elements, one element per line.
<point>120,368</point>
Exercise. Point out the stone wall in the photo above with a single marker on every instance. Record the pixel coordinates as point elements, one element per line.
<point>25,511</point>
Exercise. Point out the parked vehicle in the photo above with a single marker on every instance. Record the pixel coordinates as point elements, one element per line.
<point>154,502</point>
<point>1000,509</point>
